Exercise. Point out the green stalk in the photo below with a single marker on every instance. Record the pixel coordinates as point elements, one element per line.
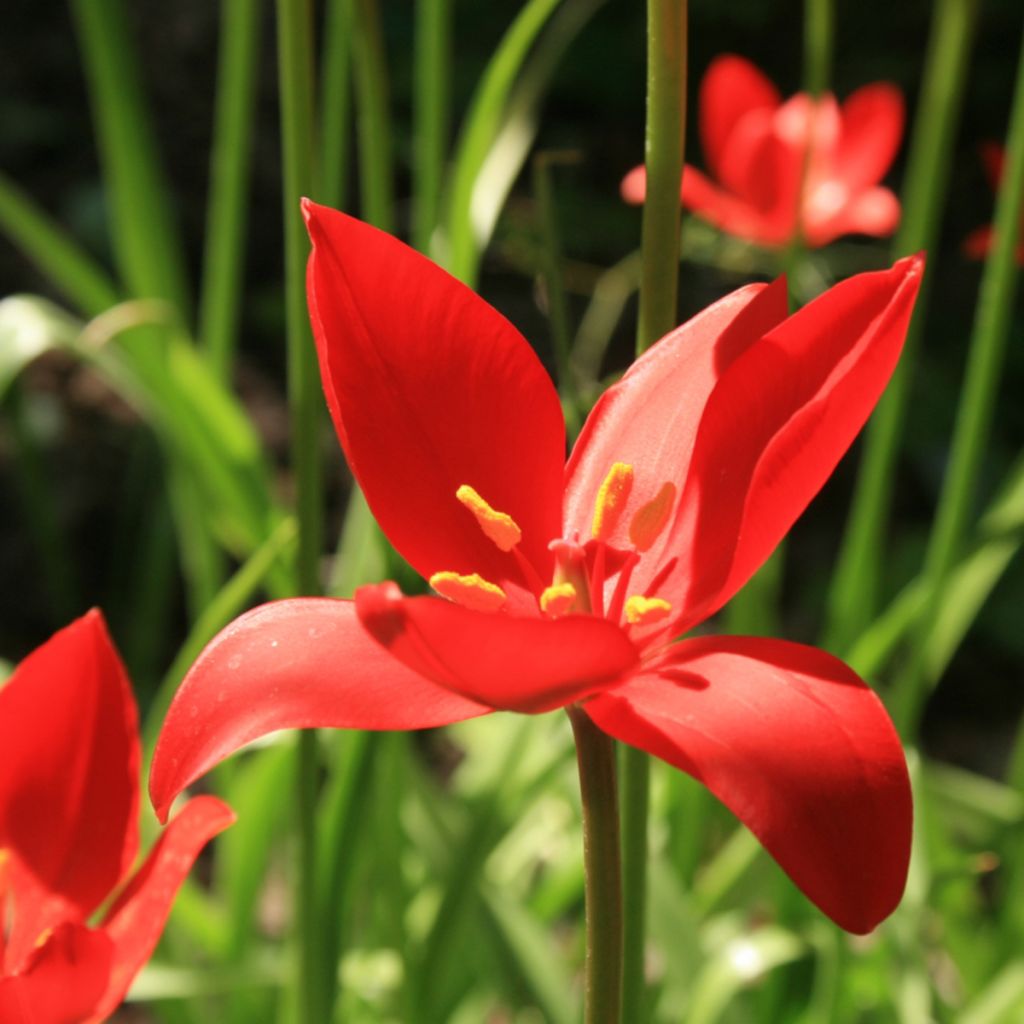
<point>659,282</point>
<point>985,358</point>
<point>67,266</point>
<point>229,179</point>
<point>595,755</point>
<point>295,70</point>
<point>854,592</point>
<point>373,119</point>
<point>336,101</point>
<point>432,74</point>
<point>819,29</point>
<point>663,150</point>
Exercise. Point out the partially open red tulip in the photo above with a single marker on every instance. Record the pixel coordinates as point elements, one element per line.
<point>763,155</point>
<point>69,836</point>
<point>979,241</point>
<point>566,583</point>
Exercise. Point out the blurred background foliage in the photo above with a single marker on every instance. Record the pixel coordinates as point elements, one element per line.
<point>459,889</point>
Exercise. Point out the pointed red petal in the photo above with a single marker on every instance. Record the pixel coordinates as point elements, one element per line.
<point>775,426</point>
<point>797,747</point>
<point>303,663</point>
<point>510,662</point>
<point>649,419</point>
<point>62,981</point>
<point>731,88</point>
<point>69,783</point>
<point>870,136</point>
<point>430,389</point>
<point>136,919</point>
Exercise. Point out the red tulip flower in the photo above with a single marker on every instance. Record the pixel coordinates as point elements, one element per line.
<point>566,583</point>
<point>764,154</point>
<point>979,241</point>
<point>69,798</point>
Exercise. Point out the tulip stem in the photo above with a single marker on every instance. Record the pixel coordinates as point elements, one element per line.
<point>663,157</point>
<point>595,755</point>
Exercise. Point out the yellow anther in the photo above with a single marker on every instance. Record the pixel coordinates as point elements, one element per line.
<point>650,519</point>
<point>558,599</point>
<point>611,500</point>
<point>471,591</point>
<point>497,526</point>
<point>641,611</point>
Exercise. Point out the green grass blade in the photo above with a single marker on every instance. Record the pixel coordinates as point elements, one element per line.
<point>71,270</point>
<point>336,101</point>
<point>855,588</point>
<point>146,241</point>
<point>985,359</point>
<point>220,291</point>
<point>432,62</point>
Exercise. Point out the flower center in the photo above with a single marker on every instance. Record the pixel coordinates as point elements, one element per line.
<point>581,569</point>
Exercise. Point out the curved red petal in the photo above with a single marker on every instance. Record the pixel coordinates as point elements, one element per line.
<point>431,388</point>
<point>870,134</point>
<point>136,919</point>
<point>69,785</point>
<point>731,88</point>
<point>61,982</point>
<point>649,419</point>
<point>874,211</point>
<point>795,744</point>
<point>508,662</point>
<point>302,663</point>
<point>775,426</point>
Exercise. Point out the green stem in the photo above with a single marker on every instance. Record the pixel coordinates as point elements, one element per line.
<point>432,73</point>
<point>595,755</point>
<point>295,69</point>
<point>229,175</point>
<point>854,593</point>
<point>985,358</point>
<point>819,18</point>
<point>373,119</point>
<point>659,283</point>
<point>336,101</point>
<point>663,147</point>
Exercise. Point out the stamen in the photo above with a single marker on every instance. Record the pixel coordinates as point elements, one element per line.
<point>473,591</point>
<point>652,518</point>
<point>611,500</point>
<point>558,599</point>
<point>641,611</point>
<point>499,527</point>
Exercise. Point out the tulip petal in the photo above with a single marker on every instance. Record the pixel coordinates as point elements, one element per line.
<point>69,784</point>
<point>649,419</point>
<point>136,919</point>
<point>431,388</point>
<point>874,211</point>
<point>301,663</point>
<point>775,426</point>
<point>731,88</point>
<point>62,980</point>
<point>795,744</point>
<point>508,662</point>
<point>870,134</point>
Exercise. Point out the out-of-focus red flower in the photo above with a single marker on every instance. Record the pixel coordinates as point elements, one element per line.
<point>979,241</point>
<point>568,582</point>
<point>762,153</point>
<point>69,798</point>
